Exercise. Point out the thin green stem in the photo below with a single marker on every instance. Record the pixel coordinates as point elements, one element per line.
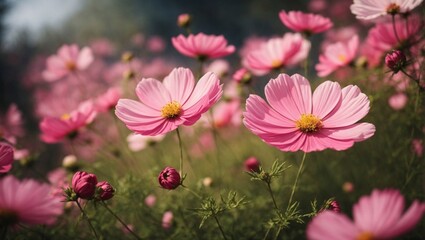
<point>296,180</point>
<point>273,198</point>
<point>219,226</point>
<point>121,221</point>
<point>394,28</point>
<point>191,191</point>
<point>181,151</point>
<point>87,218</point>
<point>267,233</point>
<point>277,233</point>
<point>411,77</point>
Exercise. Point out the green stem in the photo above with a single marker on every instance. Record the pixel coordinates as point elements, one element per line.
<point>394,28</point>
<point>121,221</point>
<point>87,218</point>
<point>296,180</point>
<point>181,152</point>
<point>273,198</point>
<point>191,191</point>
<point>219,226</point>
<point>277,233</point>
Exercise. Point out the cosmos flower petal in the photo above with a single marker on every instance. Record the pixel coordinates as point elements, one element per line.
<point>325,98</point>
<point>153,93</point>
<point>179,90</point>
<point>331,225</point>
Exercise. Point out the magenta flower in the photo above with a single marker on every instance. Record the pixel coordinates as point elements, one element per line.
<point>84,184</point>
<point>252,164</point>
<point>27,202</point>
<point>6,157</point>
<point>370,9</point>
<point>306,23</point>
<point>202,46</point>
<point>277,53</point>
<point>174,102</point>
<point>169,178</point>
<point>378,216</point>
<point>105,191</point>
<point>297,120</point>
<point>337,55</point>
<point>55,129</point>
<point>68,59</point>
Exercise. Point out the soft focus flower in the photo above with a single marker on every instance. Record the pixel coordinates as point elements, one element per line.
<point>156,44</point>
<point>418,147</point>
<point>70,162</point>
<point>337,55</point>
<point>150,200</point>
<point>252,164</point>
<point>68,59</point>
<point>174,102</point>
<point>11,124</point>
<point>220,67</point>
<point>108,100</point>
<point>398,101</point>
<point>167,220</point>
<point>84,184</point>
<point>334,206</point>
<point>55,129</point>
<point>306,23</point>
<point>378,216</point>
<point>202,46</point>
<point>227,113</point>
<point>277,53</point>
<point>207,182</point>
<point>169,178</point>
<point>370,9</point>
<point>6,157</point>
<point>183,20</point>
<point>137,142</point>
<point>395,60</point>
<point>348,187</point>
<point>105,191</point>
<point>27,202</point>
<point>58,180</point>
<point>297,120</point>
<point>242,75</point>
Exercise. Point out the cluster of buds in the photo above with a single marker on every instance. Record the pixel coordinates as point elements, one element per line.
<point>86,186</point>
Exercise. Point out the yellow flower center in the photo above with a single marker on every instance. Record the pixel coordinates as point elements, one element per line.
<point>276,64</point>
<point>171,110</point>
<point>365,236</point>
<point>342,58</point>
<point>393,9</point>
<point>65,116</point>
<point>71,66</point>
<point>308,123</point>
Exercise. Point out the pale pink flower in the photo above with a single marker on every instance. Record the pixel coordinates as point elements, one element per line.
<point>138,142</point>
<point>12,123</point>
<point>28,202</point>
<point>378,216</point>
<point>102,47</point>
<point>165,106</point>
<point>220,67</point>
<point>55,129</point>
<point>295,119</point>
<point>317,5</point>
<point>398,101</point>
<point>167,220</point>
<point>183,20</point>
<point>370,9</point>
<point>108,100</point>
<point>6,157</point>
<point>242,75</point>
<point>277,53</point>
<point>227,113</point>
<point>156,44</point>
<point>306,23</point>
<point>150,200</point>
<point>337,55</point>
<point>202,46</point>
<point>68,59</point>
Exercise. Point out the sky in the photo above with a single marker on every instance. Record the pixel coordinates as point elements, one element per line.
<point>33,15</point>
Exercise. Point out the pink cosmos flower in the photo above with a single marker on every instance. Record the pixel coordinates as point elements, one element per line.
<point>6,157</point>
<point>167,220</point>
<point>370,9</point>
<point>27,202</point>
<point>105,191</point>
<point>55,129</point>
<point>337,55</point>
<point>11,124</point>
<point>202,46</point>
<point>150,200</point>
<point>277,53</point>
<point>306,23</point>
<point>378,216</point>
<point>84,184</point>
<point>398,101</point>
<point>108,100</point>
<point>418,147</point>
<point>252,164</point>
<point>167,105</point>
<point>297,120</point>
<point>68,59</point>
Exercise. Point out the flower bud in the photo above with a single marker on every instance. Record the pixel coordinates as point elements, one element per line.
<point>252,164</point>
<point>242,76</point>
<point>84,184</point>
<point>395,60</point>
<point>169,178</point>
<point>104,191</point>
<point>183,20</point>
<point>334,206</point>
<point>127,57</point>
<point>70,162</point>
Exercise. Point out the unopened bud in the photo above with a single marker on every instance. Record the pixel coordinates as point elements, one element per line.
<point>395,60</point>
<point>184,20</point>
<point>169,178</point>
<point>127,57</point>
